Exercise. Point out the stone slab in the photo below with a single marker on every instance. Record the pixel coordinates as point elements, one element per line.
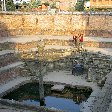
<point>58,87</point>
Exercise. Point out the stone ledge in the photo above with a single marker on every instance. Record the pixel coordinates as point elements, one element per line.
<point>52,44</point>
<point>64,13</point>
<point>17,104</point>
<point>58,32</point>
<point>101,104</point>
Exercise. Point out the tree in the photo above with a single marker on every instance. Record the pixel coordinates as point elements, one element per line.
<point>79,5</point>
<point>24,3</point>
<point>46,3</point>
<point>53,5</point>
<point>35,4</point>
<point>71,9</point>
<point>10,5</point>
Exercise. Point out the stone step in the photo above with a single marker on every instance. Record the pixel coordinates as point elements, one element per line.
<point>56,44</point>
<point>26,43</point>
<point>3,52</point>
<point>15,64</point>
<point>12,85</point>
<point>30,38</point>
<point>58,87</point>
<point>27,47</point>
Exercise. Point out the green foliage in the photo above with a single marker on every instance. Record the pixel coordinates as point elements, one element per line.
<point>100,9</point>
<point>46,3</point>
<point>35,4</point>
<point>24,3</point>
<point>104,9</point>
<point>79,5</point>
<point>53,5</point>
<point>71,9</point>
<point>92,9</point>
<point>10,5</point>
<point>109,9</point>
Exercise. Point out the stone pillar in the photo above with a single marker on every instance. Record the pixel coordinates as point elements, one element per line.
<point>41,87</point>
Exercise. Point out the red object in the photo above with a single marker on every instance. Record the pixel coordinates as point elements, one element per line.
<point>81,39</point>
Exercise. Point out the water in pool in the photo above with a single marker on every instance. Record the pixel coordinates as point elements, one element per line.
<point>68,100</point>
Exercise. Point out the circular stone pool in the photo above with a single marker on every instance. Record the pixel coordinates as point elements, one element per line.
<point>68,99</point>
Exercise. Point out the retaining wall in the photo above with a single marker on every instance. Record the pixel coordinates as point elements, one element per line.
<point>100,101</point>
<point>90,24</point>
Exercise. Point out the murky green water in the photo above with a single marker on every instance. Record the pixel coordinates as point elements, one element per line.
<point>68,100</point>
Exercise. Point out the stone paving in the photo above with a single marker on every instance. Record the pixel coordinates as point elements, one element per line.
<point>68,78</point>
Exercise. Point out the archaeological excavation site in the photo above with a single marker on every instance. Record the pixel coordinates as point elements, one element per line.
<point>55,62</point>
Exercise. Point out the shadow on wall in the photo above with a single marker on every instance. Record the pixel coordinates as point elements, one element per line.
<point>5,41</point>
<point>4,32</point>
<point>99,33</point>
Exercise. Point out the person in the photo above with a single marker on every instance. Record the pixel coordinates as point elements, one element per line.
<point>76,40</point>
<point>78,69</point>
<point>81,40</point>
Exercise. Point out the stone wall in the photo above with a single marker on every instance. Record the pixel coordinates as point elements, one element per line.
<point>99,4</point>
<point>7,59</point>
<point>100,101</point>
<point>12,24</point>
<point>10,74</point>
<point>28,46</point>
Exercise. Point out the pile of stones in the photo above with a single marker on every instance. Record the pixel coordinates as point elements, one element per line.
<point>96,65</point>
